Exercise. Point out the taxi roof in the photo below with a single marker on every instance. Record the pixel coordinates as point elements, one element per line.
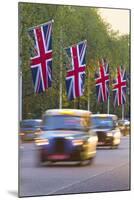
<point>105,115</point>
<point>73,112</point>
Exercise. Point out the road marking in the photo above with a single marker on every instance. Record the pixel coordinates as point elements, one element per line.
<point>80,181</point>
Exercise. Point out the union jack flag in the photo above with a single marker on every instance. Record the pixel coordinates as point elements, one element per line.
<point>75,76</point>
<point>119,87</point>
<point>102,81</point>
<point>41,60</point>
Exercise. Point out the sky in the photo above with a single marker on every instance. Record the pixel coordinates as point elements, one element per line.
<point>119,19</point>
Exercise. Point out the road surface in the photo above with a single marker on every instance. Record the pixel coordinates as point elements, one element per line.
<point>110,171</point>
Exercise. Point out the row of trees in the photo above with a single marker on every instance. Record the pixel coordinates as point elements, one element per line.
<point>77,23</point>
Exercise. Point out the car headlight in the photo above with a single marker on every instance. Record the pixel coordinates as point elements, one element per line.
<point>117,134</point>
<point>109,134</point>
<point>122,127</point>
<point>77,142</point>
<point>21,134</point>
<point>93,139</point>
<point>37,132</point>
<point>41,141</point>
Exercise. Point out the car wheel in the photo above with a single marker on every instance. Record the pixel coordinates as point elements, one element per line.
<point>91,160</point>
<point>43,163</point>
<point>39,162</point>
<point>114,146</point>
<point>46,163</point>
<point>86,162</point>
<point>83,162</point>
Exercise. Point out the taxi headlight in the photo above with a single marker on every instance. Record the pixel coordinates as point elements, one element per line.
<point>77,142</point>
<point>109,134</point>
<point>37,132</point>
<point>21,134</point>
<point>93,139</point>
<point>41,141</point>
<point>117,134</point>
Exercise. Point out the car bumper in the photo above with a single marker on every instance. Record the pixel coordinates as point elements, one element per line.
<point>109,141</point>
<point>105,142</point>
<point>28,138</point>
<point>76,154</point>
<point>125,131</point>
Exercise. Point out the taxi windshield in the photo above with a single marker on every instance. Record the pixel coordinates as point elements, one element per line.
<point>102,122</point>
<point>64,122</point>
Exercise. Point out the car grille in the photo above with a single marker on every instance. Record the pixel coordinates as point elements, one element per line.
<point>101,136</point>
<point>59,145</point>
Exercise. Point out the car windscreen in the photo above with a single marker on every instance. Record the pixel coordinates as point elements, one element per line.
<point>123,122</point>
<point>64,122</point>
<point>30,123</point>
<point>102,122</point>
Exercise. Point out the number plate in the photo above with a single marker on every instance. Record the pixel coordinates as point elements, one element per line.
<point>58,157</point>
<point>99,143</point>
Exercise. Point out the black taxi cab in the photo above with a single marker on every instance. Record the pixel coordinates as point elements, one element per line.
<point>29,128</point>
<point>124,126</point>
<point>66,136</point>
<point>107,130</point>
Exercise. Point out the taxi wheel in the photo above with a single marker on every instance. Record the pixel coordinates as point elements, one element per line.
<point>114,146</point>
<point>46,163</point>
<point>91,160</point>
<point>83,162</point>
<point>40,161</point>
<point>86,162</point>
<point>43,164</point>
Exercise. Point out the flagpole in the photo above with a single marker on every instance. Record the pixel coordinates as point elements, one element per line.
<point>76,44</point>
<point>122,111</point>
<point>33,27</point>
<point>108,105</point>
<point>88,105</point>
<point>60,100</point>
<point>20,77</point>
<point>20,95</point>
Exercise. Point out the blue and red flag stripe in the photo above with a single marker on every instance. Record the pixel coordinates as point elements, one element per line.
<point>119,87</point>
<point>75,76</point>
<point>102,82</point>
<point>41,60</point>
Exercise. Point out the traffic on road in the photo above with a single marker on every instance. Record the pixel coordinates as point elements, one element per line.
<point>60,155</point>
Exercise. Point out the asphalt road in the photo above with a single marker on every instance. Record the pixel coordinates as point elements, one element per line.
<point>110,171</point>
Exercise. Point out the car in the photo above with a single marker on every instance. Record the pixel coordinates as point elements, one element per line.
<point>106,128</point>
<point>29,128</point>
<point>66,136</point>
<point>124,126</point>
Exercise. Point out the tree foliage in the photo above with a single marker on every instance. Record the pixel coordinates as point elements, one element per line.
<point>77,23</point>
